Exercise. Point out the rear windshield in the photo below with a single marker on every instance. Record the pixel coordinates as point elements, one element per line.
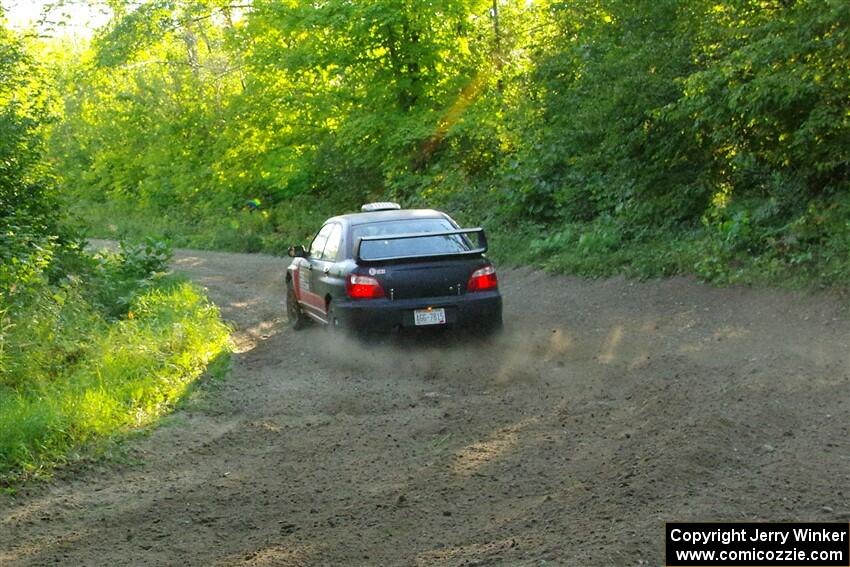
<point>420,246</point>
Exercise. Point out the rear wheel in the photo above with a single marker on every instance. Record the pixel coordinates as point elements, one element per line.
<point>297,319</point>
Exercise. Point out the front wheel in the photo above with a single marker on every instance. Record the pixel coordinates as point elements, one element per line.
<point>297,319</point>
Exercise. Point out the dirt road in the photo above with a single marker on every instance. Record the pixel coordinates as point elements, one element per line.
<point>609,407</point>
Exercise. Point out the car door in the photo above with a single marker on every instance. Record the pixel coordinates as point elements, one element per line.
<point>310,296</point>
<point>324,279</point>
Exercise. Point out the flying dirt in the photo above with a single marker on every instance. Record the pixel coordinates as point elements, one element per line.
<point>605,409</point>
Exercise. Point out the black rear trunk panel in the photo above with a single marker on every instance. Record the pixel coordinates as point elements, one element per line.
<point>427,279</point>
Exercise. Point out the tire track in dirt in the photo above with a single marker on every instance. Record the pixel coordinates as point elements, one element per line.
<point>608,407</point>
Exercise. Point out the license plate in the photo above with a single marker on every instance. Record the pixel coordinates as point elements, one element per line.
<point>429,316</point>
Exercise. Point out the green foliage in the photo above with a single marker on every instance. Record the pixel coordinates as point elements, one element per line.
<point>73,377</point>
<point>118,277</point>
<point>24,187</point>
<point>720,128</point>
<point>771,96</point>
<point>615,126</point>
<point>270,230</point>
<point>28,229</point>
<point>90,345</point>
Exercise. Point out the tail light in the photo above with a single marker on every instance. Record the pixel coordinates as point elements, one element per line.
<point>363,287</point>
<point>483,279</point>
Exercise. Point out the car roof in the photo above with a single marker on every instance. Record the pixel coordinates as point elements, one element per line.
<point>391,215</point>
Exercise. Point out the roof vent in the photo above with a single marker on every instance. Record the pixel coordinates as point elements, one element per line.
<point>372,207</point>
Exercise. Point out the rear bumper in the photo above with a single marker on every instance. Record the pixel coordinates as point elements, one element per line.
<point>481,309</point>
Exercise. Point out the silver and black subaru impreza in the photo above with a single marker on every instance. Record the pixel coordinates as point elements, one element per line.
<point>389,268</point>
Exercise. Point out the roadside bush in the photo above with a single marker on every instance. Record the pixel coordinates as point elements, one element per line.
<point>119,276</point>
<point>73,376</point>
<point>111,345</point>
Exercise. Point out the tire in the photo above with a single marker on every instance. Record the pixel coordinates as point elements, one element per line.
<point>296,317</point>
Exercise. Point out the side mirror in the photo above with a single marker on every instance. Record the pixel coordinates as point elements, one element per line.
<point>297,251</point>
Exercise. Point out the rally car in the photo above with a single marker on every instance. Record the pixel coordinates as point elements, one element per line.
<point>388,268</point>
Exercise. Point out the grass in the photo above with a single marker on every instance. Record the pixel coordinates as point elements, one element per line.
<point>88,378</point>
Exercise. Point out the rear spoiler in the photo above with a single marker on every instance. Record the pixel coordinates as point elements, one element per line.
<point>481,249</point>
